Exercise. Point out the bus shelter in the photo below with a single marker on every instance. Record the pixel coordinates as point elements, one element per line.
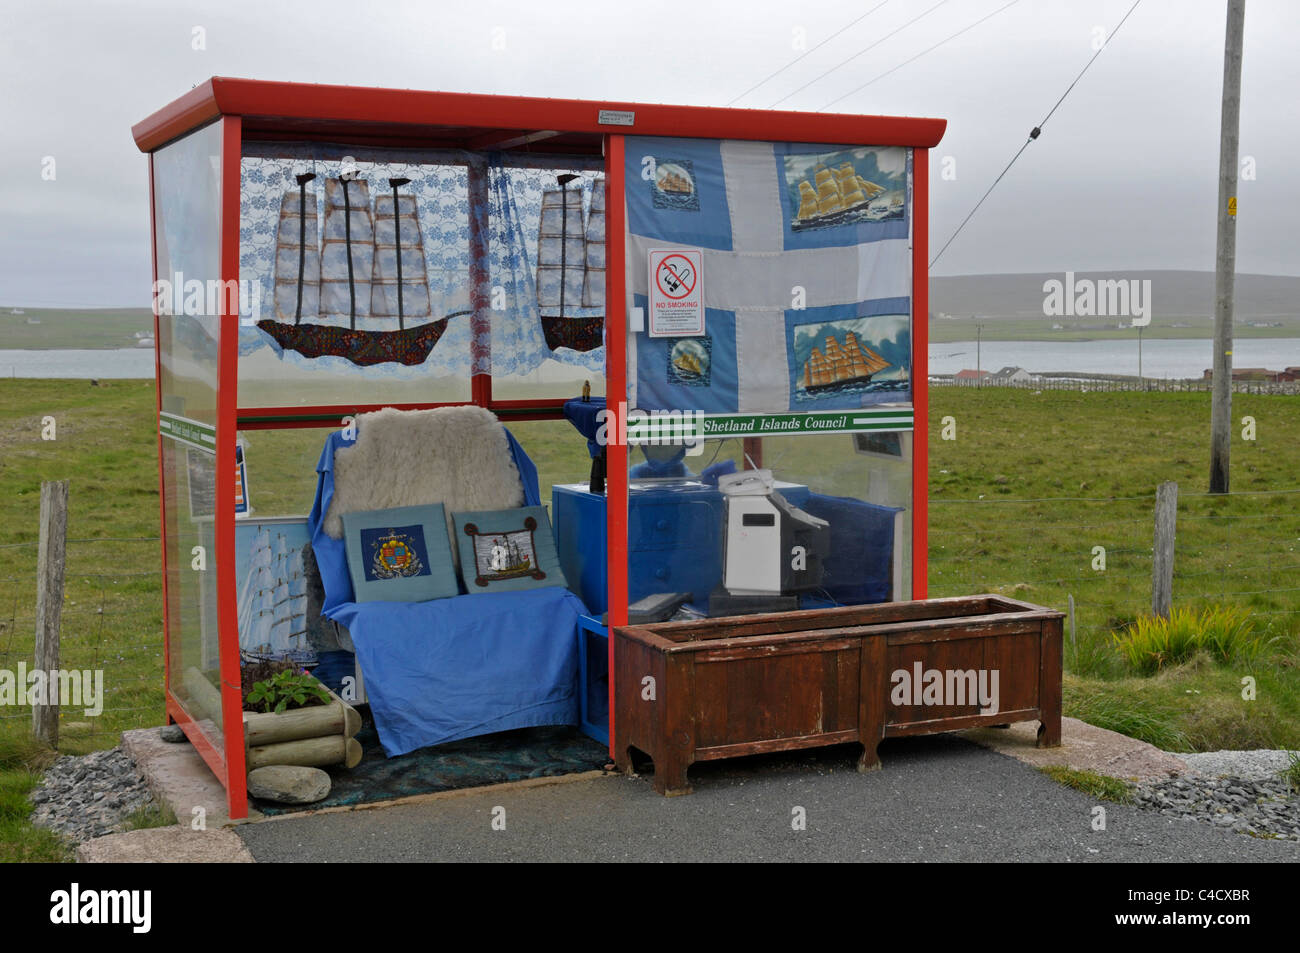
<point>704,331</point>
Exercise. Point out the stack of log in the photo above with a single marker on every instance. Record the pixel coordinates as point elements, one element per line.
<point>316,736</point>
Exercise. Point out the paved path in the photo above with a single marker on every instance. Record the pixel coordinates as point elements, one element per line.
<point>937,799</point>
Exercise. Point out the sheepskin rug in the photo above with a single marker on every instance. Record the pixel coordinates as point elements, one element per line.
<point>457,456</point>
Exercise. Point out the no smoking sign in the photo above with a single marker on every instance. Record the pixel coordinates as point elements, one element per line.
<point>676,292</point>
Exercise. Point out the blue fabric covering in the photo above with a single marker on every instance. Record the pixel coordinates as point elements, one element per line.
<point>718,393</point>
<point>452,668</point>
<point>701,218</point>
<point>585,415</point>
<point>650,468</point>
<point>862,546</point>
<point>470,665</point>
<point>714,471</point>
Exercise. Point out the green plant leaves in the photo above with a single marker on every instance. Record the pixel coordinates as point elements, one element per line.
<point>1226,634</point>
<point>287,690</point>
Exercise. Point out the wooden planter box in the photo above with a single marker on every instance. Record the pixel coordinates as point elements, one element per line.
<point>742,685</point>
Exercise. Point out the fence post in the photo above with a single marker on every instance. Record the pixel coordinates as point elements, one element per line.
<point>49,603</point>
<point>1074,644</point>
<point>1162,557</point>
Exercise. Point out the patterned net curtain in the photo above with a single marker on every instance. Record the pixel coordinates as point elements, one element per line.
<point>303,207</point>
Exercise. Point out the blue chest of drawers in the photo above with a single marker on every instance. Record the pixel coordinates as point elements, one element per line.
<point>674,538</point>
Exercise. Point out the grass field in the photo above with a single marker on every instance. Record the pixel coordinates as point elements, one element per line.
<point>1019,500</point>
<point>71,327</point>
<point>116,327</point>
<point>947,331</point>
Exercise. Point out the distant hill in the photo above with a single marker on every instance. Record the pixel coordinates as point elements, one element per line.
<point>72,327</point>
<point>1010,307</point>
<point>1182,305</point>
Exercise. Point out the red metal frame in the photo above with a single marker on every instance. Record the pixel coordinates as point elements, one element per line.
<point>331,415</point>
<point>920,371</point>
<point>175,711</point>
<point>615,397</point>
<point>157,399</point>
<point>256,110</point>
<point>303,110</point>
<point>232,701</point>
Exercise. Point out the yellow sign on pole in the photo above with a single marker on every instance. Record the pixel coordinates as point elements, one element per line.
<point>1232,205</point>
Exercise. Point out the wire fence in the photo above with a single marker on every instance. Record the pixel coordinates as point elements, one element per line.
<point>1084,383</point>
<point>1240,549</point>
<point>111,623</point>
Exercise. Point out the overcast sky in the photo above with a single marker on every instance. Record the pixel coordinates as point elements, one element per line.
<point>1123,177</point>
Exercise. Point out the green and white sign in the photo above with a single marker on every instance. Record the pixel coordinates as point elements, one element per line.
<point>192,433</point>
<point>663,426</point>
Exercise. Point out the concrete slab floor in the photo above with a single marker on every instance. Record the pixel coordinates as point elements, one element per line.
<point>180,778</point>
<point>165,845</point>
<point>1084,747</point>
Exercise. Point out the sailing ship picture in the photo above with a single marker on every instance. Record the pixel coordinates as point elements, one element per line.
<point>370,264</point>
<point>369,269</point>
<point>673,185</point>
<point>507,559</point>
<point>571,265</point>
<point>689,360</point>
<point>504,555</point>
<point>273,593</point>
<point>846,187</point>
<point>867,356</point>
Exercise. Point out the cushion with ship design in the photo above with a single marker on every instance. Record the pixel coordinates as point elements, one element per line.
<point>505,550</point>
<point>401,554</point>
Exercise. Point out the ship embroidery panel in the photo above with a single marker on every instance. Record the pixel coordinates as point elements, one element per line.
<point>807,248</point>
<point>854,356</point>
<point>504,555</point>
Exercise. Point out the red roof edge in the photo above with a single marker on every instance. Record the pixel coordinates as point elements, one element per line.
<point>304,103</point>
<point>196,108</point>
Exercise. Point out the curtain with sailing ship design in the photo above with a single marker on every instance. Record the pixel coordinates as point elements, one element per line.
<point>365,263</point>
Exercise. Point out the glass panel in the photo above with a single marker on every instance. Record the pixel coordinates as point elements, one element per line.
<point>771,523</point>
<point>281,468</point>
<point>187,193</point>
<point>798,391</point>
<point>557,263</point>
<point>557,449</point>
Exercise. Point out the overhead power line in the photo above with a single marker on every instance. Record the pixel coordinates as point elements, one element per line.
<point>919,55</point>
<point>1034,133</point>
<point>859,53</point>
<point>807,53</point>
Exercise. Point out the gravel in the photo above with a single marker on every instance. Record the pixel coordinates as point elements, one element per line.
<point>1235,790</point>
<point>1266,808</point>
<point>1253,765</point>
<point>85,797</point>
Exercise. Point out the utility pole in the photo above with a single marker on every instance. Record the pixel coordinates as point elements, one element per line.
<point>1226,251</point>
<point>979,331</point>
